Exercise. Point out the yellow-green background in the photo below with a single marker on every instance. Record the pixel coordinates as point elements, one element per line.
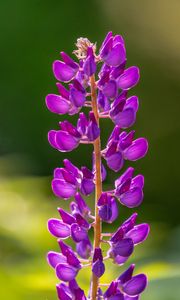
<point>32,35</point>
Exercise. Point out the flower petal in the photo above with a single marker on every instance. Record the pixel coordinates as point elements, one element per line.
<point>98,268</point>
<point>127,275</point>
<point>108,212</point>
<point>58,173</point>
<point>103,102</point>
<point>129,223</point>
<point>63,189</point>
<point>132,102</point>
<point>138,181</point>
<point>77,97</point>
<point>110,89</point>
<point>129,78</point>
<point>108,36</point>
<point>77,233</point>
<point>115,211</point>
<point>57,104</point>
<point>62,90</point>
<point>123,188</point>
<point>105,212</point>
<point>87,186</point>
<point>117,236</point>
<point>84,249</point>
<point>136,150</point>
<point>125,176</point>
<point>63,72</point>
<point>125,140</point>
<point>55,258</point>
<point>72,259</point>
<point>97,254</point>
<point>115,161</point>
<point>52,138</point>
<point>66,272</point>
<point>117,71</point>
<point>63,292</point>
<point>89,66</point>
<point>120,260</point>
<point>123,248</point>
<point>112,290</point>
<point>132,198</point>
<point>66,217</point>
<point>72,168</point>
<point>69,61</point>
<point>58,228</point>
<point>136,285</point>
<point>116,56</point>
<point>81,221</point>
<point>93,130</point>
<point>125,119</point>
<point>83,207</point>
<point>79,294</point>
<point>68,177</point>
<point>82,123</point>
<point>65,249</point>
<point>139,233</point>
<point>65,141</point>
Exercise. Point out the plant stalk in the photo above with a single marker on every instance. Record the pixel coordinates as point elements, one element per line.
<point>98,185</point>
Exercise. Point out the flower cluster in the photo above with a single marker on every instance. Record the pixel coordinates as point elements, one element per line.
<point>106,96</point>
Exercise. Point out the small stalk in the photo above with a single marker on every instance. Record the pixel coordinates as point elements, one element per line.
<point>98,186</point>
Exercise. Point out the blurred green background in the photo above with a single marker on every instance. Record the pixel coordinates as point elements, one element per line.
<point>32,35</point>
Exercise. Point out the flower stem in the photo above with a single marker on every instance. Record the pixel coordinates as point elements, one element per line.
<point>98,185</point>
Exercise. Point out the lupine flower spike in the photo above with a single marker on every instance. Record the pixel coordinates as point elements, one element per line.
<point>105,94</point>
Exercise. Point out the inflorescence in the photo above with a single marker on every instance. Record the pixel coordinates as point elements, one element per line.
<point>106,96</point>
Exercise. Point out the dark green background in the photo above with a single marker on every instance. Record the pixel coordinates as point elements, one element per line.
<point>32,35</point>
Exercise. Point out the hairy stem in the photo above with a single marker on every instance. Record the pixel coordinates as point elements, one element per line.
<point>98,185</point>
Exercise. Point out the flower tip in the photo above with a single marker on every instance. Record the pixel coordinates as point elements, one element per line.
<point>136,285</point>
<point>65,272</point>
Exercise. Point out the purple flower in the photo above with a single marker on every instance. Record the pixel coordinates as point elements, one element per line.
<point>129,78</point>
<point>84,248</point>
<point>98,267</point>
<point>67,270</point>
<point>69,179</point>
<point>89,66</point>
<point>108,209</point>
<point>106,85</point>
<point>112,51</point>
<point>129,189</point>
<point>82,206</point>
<point>123,112</point>
<point>58,228</point>
<point>55,258</point>
<point>67,102</point>
<point>68,137</point>
<point>74,226</point>
<point>70,291</point>
<point>63,291</point>
<point>77,94</point>
<point>126,237</point>
<point>105,94</point>
<point>126,287</point>
<point>121,146</point>
<point>66,264</point>
<point>66,217</point>
<point>78,233</point>
<point>65,70</point>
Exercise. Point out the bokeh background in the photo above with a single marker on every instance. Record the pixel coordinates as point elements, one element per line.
<point>32,35</point>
